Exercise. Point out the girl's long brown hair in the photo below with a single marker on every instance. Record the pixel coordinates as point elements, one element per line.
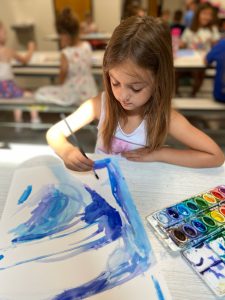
<point>147,42</point>
<point>67,23</point>
<point>195,25</point>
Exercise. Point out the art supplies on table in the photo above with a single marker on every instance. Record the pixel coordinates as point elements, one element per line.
<point>66,235</point>
<point>196,227</point>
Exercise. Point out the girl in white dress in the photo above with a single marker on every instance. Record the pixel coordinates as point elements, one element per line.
<point>201,36</point>
<point>76,80</point>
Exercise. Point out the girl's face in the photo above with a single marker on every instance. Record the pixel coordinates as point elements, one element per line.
<point>131,85</point>
<point>205,16</point>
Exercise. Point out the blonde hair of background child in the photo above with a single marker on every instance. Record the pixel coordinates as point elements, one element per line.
<point>146,41</point>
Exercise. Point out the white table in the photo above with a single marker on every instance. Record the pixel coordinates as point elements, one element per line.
<point>189,59</point>
<point>101,36</point>
<point>47,63</point>
<point>153,186</point>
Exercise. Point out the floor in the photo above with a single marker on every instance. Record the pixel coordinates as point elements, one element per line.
<point>86,136</point>
<point>12,135</point>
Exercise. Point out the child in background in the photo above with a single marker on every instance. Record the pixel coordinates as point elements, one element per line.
<point>177,21</point>
<point>201,36</point>
<point>8,87</point>
<point>76,81</point>
<point>217,54</point>
<point>191,7</point>
<point>165,16</point>
<point>88,25</point>
<point>134,112</point>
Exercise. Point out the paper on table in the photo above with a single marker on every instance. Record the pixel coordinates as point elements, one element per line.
<point>66,234</point>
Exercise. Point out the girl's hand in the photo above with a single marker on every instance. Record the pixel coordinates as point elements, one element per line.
<point>142,155</point>
<point>75,160</point>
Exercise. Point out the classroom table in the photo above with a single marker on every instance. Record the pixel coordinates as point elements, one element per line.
<point>101,36</point>
<point>188,59</point>
<point>46,63</point>
<point>153,186</point>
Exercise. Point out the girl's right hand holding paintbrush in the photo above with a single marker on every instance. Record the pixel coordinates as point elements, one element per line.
<point>75,160</point>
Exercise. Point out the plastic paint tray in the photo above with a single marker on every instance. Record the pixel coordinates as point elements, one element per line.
<point>196,227</point>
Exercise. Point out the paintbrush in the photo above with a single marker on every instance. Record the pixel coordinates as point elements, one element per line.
<point>75,139</point>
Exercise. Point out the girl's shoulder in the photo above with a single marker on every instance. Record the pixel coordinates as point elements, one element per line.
<point>177,122</point>
<point>85,44</point>
<point>82,46</point>
<point>6,54</point>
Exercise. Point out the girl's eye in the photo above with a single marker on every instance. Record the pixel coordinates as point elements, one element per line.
<point>136,90</point>
<point>114,84</point>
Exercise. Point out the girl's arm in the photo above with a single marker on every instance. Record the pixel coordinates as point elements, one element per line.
<point>25,58</point>
<point>63,69</point>
<point>58,133</point>
<point>200,152</point>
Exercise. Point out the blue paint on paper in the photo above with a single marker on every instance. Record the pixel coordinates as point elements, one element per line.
<point>158,288</point>
<point>201,261</point>
<point>221,246</point>
<point>54,213</point>
<point>25,194</point>
<point>72,205</point>
<point>100,209</point>
<point>1,256</point>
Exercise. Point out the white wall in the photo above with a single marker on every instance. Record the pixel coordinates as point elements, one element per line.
<point>40,12</point>
<point>107,14</point>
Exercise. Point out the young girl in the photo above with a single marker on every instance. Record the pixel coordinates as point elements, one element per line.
<point>8,87</point>
<point>135,110</point>
<point>201,35</point>
<point>76,81</point>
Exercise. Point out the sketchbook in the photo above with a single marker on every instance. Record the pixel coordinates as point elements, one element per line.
<point>67,235</point>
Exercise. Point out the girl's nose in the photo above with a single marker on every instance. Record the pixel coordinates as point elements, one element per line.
<point>124,96</point>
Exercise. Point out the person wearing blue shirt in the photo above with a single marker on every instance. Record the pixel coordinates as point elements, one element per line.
<point>217,54</point>
<point>189,14</point>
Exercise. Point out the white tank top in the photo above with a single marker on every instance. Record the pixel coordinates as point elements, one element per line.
<point>121,141</point>
<point>5,71</point>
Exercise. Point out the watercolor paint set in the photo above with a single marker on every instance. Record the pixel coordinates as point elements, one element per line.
<point>196,227</point>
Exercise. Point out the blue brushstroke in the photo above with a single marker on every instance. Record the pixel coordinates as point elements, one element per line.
<point>218,275</point>
<point>201,261</point>
<point>68,204</point>
<point>158,288</point>
<point>138,259</point>
<point>1,256</point>
<point>110,218</point>
<point>53,214</point>
<point>25,194</point>
<point>124,200</point>
<point>221,246</point>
